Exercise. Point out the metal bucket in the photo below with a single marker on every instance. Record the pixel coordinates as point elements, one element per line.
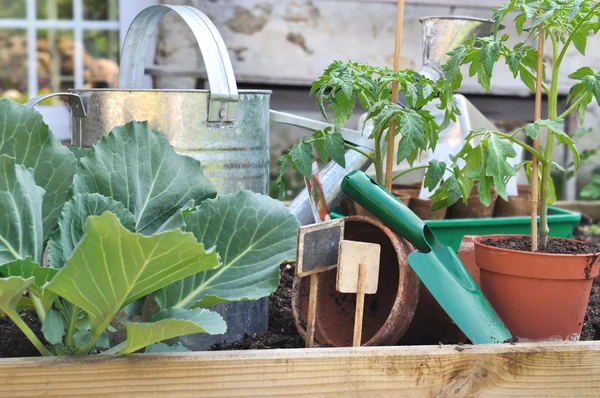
<point>225,129</point>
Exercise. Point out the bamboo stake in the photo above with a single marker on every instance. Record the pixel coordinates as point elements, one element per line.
<point>312,310</point>
<point>360,305</point>
<point>390,141</point>
<point>536,143</point>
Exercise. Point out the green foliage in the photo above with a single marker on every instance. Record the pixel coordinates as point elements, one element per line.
<point>338,90</point>
<point>120,239</point>
<point>563,23</point>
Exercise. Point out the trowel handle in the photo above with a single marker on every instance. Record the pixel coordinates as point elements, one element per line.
<point>365,191</point>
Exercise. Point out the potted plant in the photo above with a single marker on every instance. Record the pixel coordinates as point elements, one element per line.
<point>538,285</point>
<point>137,240</point>
<point>341,86</point>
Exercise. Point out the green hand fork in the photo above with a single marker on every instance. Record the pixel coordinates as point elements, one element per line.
<point>438,267</point>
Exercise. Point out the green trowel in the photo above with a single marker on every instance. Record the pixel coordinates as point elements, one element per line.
<point>438,267</point>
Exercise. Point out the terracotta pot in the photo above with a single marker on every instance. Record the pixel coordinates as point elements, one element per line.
<point>422,208</point>
<point>474,208</point>
<point>538,296</point>
<point>387,313</point>
<point>516,205</point>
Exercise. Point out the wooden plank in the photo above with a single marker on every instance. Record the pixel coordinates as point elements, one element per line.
<point>536,370</point>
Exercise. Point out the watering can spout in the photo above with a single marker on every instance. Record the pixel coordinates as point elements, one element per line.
<point>444,34</point>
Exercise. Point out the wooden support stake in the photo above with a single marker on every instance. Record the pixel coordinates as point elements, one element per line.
<point>312,310</point>
<point>360,305</point>
<point>389,165</point>
<point>536,143</point>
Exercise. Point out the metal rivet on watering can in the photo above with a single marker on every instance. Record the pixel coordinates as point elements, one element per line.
<point>387,314</point>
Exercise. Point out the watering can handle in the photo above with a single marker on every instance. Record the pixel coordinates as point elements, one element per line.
<point>353,136</point>
<point>223,89</point>
<point>75,102</point>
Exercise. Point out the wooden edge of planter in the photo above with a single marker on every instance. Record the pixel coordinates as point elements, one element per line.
<point>533,369</point>
<point>590,208</point>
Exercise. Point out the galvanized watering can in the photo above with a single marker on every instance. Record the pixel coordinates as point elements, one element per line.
<point>225,128</point>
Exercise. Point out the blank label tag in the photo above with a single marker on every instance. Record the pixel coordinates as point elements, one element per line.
<point>351,254</point>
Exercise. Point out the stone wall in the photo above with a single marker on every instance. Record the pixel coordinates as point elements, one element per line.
<point>285,44</point>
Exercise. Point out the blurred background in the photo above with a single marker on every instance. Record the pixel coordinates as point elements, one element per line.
<point>281,45</point>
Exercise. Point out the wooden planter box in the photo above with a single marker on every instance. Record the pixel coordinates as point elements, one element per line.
<point>590,208</point>
<point>502,370</point>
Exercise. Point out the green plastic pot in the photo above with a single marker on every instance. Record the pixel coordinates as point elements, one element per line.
<point>451,232</point>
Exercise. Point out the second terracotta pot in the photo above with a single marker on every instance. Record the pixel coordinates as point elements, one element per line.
<point>516,205</point>
<point>387,314</point>
<point>474,208</point>
<point>539,296</point>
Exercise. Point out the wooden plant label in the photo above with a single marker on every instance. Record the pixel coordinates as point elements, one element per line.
<point>358,272</point>
<point>318,246</point>
<point>351,255</point>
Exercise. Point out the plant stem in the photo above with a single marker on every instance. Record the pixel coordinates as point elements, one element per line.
<point>365,154</point>
<point>378,161</point>
<point>547,166</point>
<point>573,106</point>
<point>536,142</point>
<point>28,333</point>
<point>115,349</point>
<point>400,174</point>
<point>39,307</point>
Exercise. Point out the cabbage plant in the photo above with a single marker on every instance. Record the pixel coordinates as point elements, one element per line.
<point>128,224</point>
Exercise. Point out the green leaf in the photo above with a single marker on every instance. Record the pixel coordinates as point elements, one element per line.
<point>484,189</point>
<point>435,172</point>
<point>112,267</point>
<point>253,234</point>
<point>334,147</point>
<point>496,165</point>
<point>580,41</point>
<point>582,72</point>
<point>282,163</point>
<point>11,292</point>
<point>177,219</point>
<point>41,275</point>
<point>103,341</point>
<point>488,56</point>
<point>320,149</point>
<point>454,192</point>
<point>82,338</point>
<point>592,190</point>
<point>302,158</point>
<point>25,137</point>
<point>53,328</point>
<point>592,84</point>
<point>532,130</point>
<point>170,323</point>
<point>139,168</point>
<point>71,225</point>
<point>21,233</point>
<point>78,152</point>
<point>162,347</point>
<point>342,109</point>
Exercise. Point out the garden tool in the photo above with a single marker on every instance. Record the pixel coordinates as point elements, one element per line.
<point>438,267</point>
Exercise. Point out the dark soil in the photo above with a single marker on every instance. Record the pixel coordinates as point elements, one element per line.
<point>554,246</point>
<point>282,330</point>
<point>13,342</point>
